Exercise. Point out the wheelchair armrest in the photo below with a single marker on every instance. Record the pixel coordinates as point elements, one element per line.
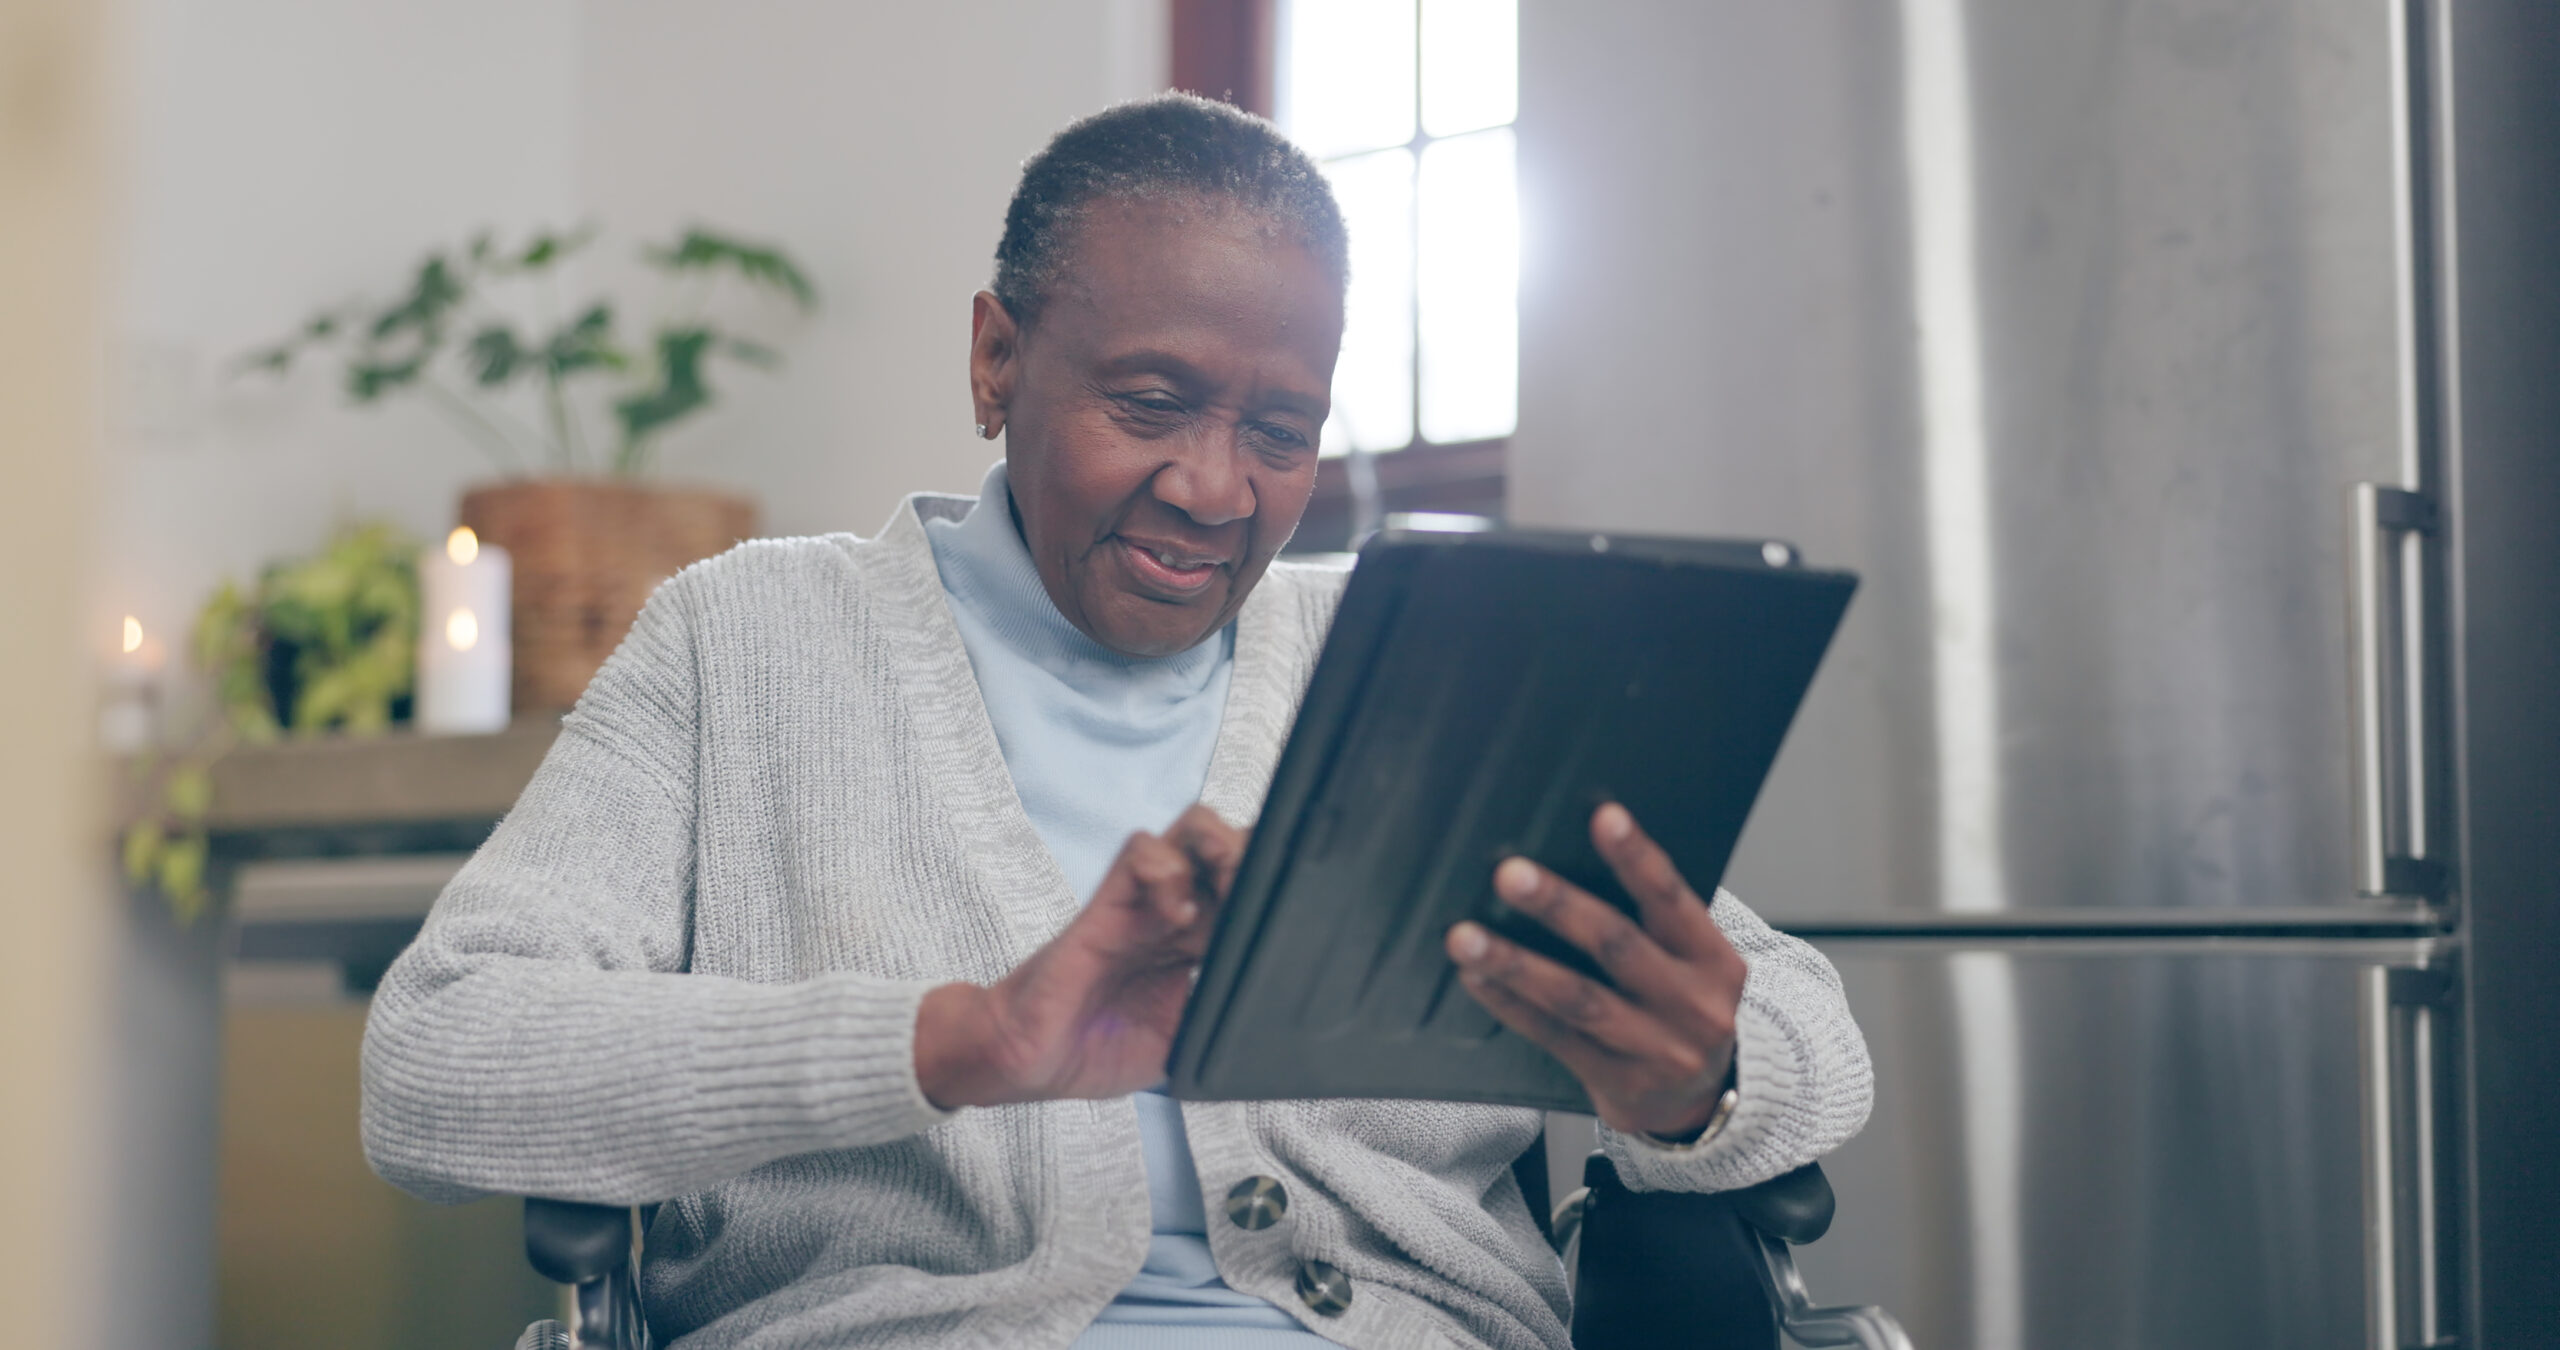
<point>1796,1207</point>
<point>572,1243</point>
<point>1666,1268</point>
<point>1656,1269</point>
<point>588,1248</point>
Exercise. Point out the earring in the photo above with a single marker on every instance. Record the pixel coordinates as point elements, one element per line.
<point>982,431</point>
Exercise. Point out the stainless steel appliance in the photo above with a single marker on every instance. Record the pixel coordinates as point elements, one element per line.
<point>2172,371</point>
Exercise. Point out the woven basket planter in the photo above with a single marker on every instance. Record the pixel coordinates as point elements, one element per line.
<point>587,553</point>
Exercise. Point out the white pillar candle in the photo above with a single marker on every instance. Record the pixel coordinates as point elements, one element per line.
<point>129,716</point>
<point>466,653</point>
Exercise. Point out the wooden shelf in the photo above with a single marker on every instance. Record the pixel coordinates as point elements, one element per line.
<point>395,779</point>
<point>386,797</point>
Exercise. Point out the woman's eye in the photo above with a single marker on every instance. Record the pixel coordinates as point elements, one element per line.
<point>1284,437</point>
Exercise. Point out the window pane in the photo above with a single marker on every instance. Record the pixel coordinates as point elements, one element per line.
<point>1470,64</point>
<point>1346,80</point>
<point>1469,280</point>
<point>1373,383</point>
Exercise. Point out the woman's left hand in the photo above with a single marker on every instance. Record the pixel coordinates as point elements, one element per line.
<point>1653,1052</point>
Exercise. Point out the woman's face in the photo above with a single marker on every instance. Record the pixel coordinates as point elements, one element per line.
<point>1161,417</point>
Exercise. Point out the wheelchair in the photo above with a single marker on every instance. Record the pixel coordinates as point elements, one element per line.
<point>1651,1270</point>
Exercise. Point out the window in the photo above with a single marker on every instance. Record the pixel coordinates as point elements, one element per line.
<point>1408,104</point>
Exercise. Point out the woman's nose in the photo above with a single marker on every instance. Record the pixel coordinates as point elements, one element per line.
<point>1207,480</point>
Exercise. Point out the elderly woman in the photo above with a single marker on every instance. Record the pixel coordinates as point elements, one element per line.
<point>839,920</point>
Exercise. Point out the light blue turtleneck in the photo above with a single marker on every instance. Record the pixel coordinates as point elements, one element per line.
<point>1102,745</point>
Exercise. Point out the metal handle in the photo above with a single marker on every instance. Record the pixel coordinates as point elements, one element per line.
<point>2381,1172</point>
<point>2409,1261</point>
<point>2391,768</point>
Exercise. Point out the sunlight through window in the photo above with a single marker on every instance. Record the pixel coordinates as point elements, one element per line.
<point>1409,108</point>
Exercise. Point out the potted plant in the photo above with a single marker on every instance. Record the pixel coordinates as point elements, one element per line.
<point>592,534</point>
<point>318,645</point>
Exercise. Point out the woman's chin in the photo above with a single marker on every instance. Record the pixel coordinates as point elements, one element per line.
<point>1137,625</point>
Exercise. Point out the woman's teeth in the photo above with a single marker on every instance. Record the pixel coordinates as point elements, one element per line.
<point>1175,570</point>
<point>1170,564</point>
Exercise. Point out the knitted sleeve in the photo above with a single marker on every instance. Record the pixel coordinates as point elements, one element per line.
<point>1801,1070</point>
<point>539,1037</point>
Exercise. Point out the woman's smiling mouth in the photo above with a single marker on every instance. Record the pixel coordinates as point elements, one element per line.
<point>1169,568</point>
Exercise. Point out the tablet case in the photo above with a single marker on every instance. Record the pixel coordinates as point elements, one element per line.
<point>1479,696</point>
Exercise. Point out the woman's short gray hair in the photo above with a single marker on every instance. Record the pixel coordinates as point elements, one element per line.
<point>1166,146</point>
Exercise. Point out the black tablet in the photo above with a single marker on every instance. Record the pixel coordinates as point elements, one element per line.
<point>1479,696</point>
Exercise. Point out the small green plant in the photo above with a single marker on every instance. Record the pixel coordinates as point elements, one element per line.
<point>446,340</point>
<point>322,643</point>
<point>166,847</point>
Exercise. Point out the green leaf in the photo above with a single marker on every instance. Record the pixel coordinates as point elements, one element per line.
<point>759,264</point>
<point>142,851</point>
<point>585,343</point>
<point>278,359</point>
<point>433,295</point>
<point>182,876</point>
<point>219,624</point>
<point>493,355</point>
<point>547,248</point>
<point>679,392</point>
<point>256,724</point>
<point>368,381</point>
<point>190,792</point>
<point>229,644</point>
<point>321,700</point>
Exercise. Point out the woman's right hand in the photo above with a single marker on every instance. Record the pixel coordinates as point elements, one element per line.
<point>1093,1013</point>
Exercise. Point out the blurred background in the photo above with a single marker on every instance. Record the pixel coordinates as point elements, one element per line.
<point>2178,802</point>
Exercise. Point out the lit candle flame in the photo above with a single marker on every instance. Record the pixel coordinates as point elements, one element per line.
<point>462,546</point>
<point>462,630</point>
<point>132,634</point>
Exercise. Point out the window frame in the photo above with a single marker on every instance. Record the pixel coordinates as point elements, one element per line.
<point>1229,50</point>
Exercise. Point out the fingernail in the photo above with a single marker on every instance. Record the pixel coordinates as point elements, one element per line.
<point>1615,823</point>
<point>1516,879</point>
<point>1467,941</point>
<point>1185,912</point>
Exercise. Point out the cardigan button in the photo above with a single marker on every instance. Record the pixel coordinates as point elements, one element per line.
<point>1256,1203</point>
<point>1323,1288</point>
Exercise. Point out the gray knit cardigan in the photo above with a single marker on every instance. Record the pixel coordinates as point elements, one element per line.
<point>686,968</point>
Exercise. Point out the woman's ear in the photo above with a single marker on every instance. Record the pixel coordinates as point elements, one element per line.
<point>995,359</point>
